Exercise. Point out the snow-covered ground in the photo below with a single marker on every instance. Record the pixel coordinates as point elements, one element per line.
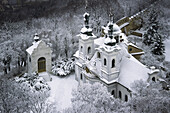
<point>167,49</point>
<point>61,89</point>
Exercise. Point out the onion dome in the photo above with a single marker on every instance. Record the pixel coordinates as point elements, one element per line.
<point>112,32</point>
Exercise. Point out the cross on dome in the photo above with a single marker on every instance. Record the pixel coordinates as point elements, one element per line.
<point>36,37</point>
<point>86,19</point>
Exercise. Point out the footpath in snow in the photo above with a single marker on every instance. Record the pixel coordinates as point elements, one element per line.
<point>167,49</point>
<point>61,88</point>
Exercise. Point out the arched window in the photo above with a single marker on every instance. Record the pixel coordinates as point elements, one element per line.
<point>41,64</point>
<point>153,79</point>
<point>117,39</point>
<point>89,50</point>
<point>113,63</point>
<point>81,49</point>
<point>126,98</point>
<point>113,92</point>
<point>120,94</point>
<point>105,62</point>
<point>81,76</point>
<point>29,59</point>
<point>98,55</point>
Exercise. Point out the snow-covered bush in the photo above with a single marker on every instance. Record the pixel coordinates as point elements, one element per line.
<point>63,67</point>
<point>33,81</point>
<point>18,96</point>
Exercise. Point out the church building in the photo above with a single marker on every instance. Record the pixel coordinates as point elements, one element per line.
<point>107,60</point>
<point>39,57</point>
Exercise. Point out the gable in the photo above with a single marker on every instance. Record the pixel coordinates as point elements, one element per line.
<point>40,45</point>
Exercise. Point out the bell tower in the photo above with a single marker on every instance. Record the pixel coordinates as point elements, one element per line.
<point>111,50</point>
<point>86,40</point>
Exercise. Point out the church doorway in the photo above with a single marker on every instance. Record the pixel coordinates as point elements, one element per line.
<point>41,64</point>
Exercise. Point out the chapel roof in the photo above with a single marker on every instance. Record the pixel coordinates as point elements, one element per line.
<point>31,49</point>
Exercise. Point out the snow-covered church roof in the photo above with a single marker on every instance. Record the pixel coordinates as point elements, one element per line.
<point>31,49</point>
<point>132,70</point>
<point>35,45</point>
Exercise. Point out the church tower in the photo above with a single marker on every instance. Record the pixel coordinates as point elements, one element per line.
<point>86,40</point>
<point>111,53</point>
<point>86,48</point>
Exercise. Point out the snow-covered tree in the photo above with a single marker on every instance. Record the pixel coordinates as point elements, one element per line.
<point>94,98</point>
<point>152,37</point>
<point>20,97</point>
<point>149,98</point>
<point>158,47</point>
<point>150,59</point>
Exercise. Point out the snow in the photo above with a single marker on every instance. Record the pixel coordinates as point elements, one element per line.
<point>86,37</point>
<point>45,75</point>
<point>123,25</point>
<point>61,89</point>
<point>84,30</point>
<point>131,44</point>
<point>109,40</point>
<point>153,70</point>
<point>33,47</point>
<point>167,49</point>
<point>86,14</point>
<point>36,37</point>
<point>138,53</point>
<point>76,54</point>
<point>63,67</point>
<point>99,41</point>
<point>111,48</point>
<point>109,82</point>
<point>121,19</point>
<point>132,70</point>
<point>116,28</point>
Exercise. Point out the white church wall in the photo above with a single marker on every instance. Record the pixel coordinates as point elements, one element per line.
<point>124,91</point>
<point>83,47</point>
<point>76,72</point>
<point>41,51</point>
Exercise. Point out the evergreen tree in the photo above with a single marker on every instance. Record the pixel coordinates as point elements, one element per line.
<point>152,37</point>
<point>158,47</point>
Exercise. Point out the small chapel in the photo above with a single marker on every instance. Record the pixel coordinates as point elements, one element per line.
<point>39,58</point>
<point>106,60</point>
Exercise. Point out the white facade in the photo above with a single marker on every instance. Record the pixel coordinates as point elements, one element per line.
<point>108,61</point>
<point>39,57</point>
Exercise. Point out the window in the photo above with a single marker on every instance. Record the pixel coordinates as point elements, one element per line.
<point>153,79</point>
<point>120,94</point>
<point>126,98</point>
<point>29,59</point>
<point>130,49</point>
<point>81,76</point>
<point>113,92</point>
<point>117,39</point>
<point>81,49</point>
<point>98,55</point>
<point>105,62</point>
<point>113,63</point>
<point>89,50</point>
